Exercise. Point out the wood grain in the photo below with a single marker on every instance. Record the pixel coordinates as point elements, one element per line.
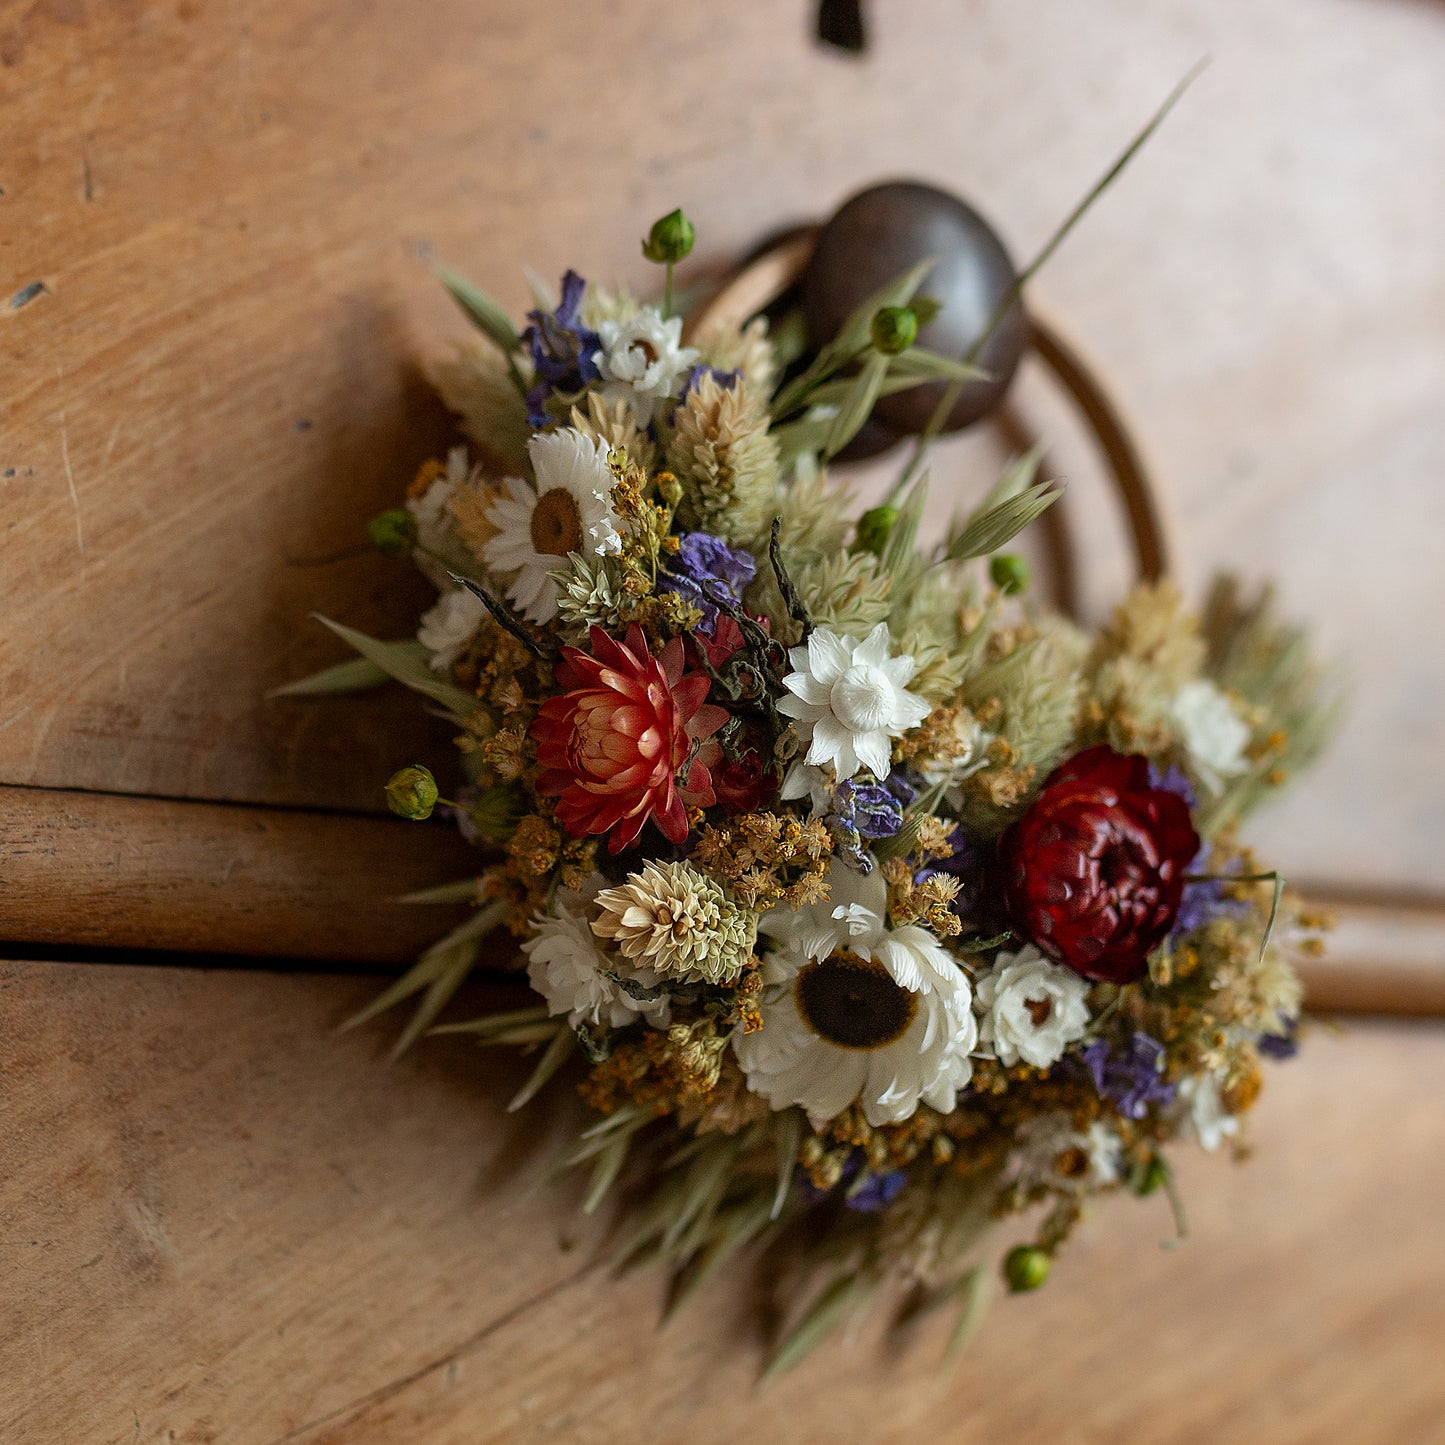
<point>229,209</point>
<point>226,1224</point>
<point>105,871</point>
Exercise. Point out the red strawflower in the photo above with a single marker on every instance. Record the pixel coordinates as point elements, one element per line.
<point>614,747</point>
<point>1093,872</point>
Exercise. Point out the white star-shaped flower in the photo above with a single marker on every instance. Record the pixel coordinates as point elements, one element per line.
<point>847,700</point>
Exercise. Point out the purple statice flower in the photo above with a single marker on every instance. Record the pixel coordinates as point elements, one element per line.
<point>862,812</point>
<point>725,379</point>
<point>1283,1045</point>
<point>1173,779</point>
<point>563,350</point>
<point>875,1192</point>
<point>866,1192</point>
<point>1204,901</point>
<point>1131,1080</point>
<point>963,863</point>
<point>706,571</point>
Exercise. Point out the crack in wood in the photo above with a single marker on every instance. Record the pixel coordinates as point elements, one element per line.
<point>349,1414</point>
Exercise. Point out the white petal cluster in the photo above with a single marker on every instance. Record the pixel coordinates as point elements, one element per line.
<point>643,360</point>
<point>788,1061</point>
<point>804,780</point>
<point>432,514</point>
<point>1200,1107</point>
<point>538,527</point>
<point>847,700</point>
<point>448,627</point>
<point>1053,1154</point>
<point>1212,731</point>
<point>567,966</point>
<point>1032,1009</point>
<point>678,921</point>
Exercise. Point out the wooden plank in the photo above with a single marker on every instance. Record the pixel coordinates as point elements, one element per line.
<point>228,1224</point>
<point>228,207</point>
<point>105,871</point>
<point>228,879</point>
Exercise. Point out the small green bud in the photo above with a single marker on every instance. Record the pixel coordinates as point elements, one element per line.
<point>393,533</point>
<point>1026,1267</point>
<point>1010,572</point>
<point>1153,1176</point>
<point>895,329</point>
<point>670,239</point>
<point>412,793</point>
<point>874,527</point>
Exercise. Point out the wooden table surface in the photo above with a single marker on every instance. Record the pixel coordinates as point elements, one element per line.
<point>226,1224</point>
<point>223,1223</point>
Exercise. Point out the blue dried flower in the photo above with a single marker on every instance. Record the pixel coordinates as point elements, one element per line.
<point>1281,1046</point>
<point>706,570</point>
<point>963,864</point>
<point>562,350</point>
<point>863,812</point>
<point>1205,901</point>
<point>875,1192</point>
<point>1173,779</point>
<point>1133,1080</point>
<point>866,1192</point>
<point>725,379</point>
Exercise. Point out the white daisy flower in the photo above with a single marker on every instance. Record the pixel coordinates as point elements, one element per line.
<point>568,967</point>
<point>854,1011</point>
<point>432,515</point>
<point>847,700</point>
<point>538,528</point>
<point>643,361</point>
<point>1052,1153</point>
<point>1212,731</point>
<point>1032,1008</point>
<point>449,626</point>
<point>1200,1106</point>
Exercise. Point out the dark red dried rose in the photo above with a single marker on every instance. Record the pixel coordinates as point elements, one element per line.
<point>743,783</point>
<point>1093,872</point>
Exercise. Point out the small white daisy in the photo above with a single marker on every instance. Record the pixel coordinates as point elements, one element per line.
<point>847,699</point>
<point>1052,1153</point>
<point>568,967</point>
<point>447,627</point>
<point>1200,1105</point>
<point>854,1011</point>
<point>438,549</point>
<point>538,528</point>
<point>1032,1008</point>
<point>1213,733</point>
<point>643,361</point>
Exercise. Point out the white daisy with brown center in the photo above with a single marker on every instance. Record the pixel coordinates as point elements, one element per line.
<point>1052,1154</point>
<point>538,527</point>
<point>856,1012</point>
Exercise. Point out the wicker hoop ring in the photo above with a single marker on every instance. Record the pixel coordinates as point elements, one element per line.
<point>764,278</point>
